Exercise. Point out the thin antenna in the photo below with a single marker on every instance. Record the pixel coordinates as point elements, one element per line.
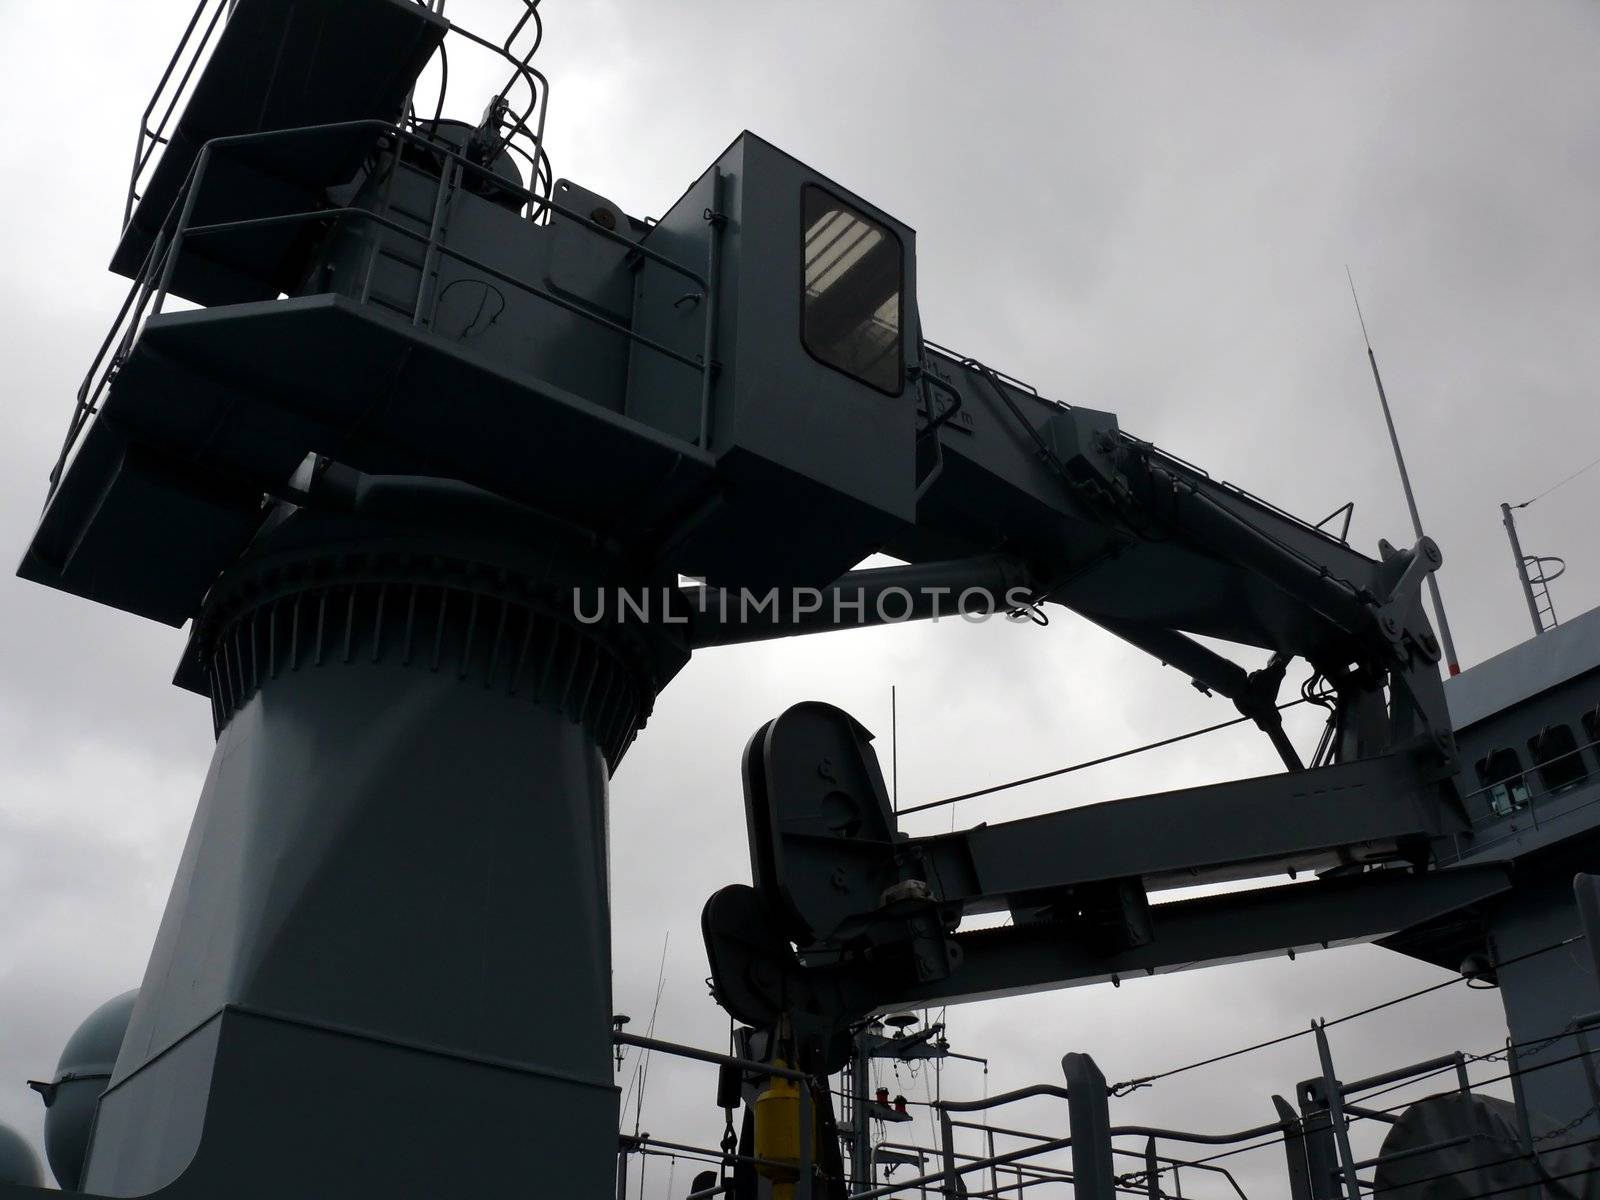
<point>1405,482</point>
<point>641,1073</point>
<point>1357,299</point>
<point>894,751</point>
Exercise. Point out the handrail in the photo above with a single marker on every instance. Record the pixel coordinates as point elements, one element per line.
<point>538,86</point>
<point>89,391</point>
<point>504,184</point>
<point>368,215</point>
<point>144,150</point>
<point>1160,1158</point>
<point>161,260</point>
<point>1576,751</point>
<point>538,92</point>
<point>1232,488</point>
<point>678,1049</point>
<point>1046,1146</point>
<point>940,1176</point>
<point>1011,1097</point>
<point>1348,508</point>
<point>805,1169</point>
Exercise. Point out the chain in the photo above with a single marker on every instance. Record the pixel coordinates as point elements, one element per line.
<point>1570,1125</point>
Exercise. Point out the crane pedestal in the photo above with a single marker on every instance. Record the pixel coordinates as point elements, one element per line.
<point>385,965</point>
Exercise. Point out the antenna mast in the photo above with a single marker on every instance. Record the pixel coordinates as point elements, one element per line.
<point>1405,482</point>
<point>1522,566</point>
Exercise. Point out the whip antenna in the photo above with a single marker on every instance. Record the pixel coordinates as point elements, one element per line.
<point>1405,482</point>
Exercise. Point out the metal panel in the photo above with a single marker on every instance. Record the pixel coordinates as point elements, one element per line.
<point>1241,829</point>
<point>280,64</point>
<point>1205,932</point>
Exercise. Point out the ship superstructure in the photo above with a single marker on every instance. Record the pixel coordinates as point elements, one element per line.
<point>424,444</point>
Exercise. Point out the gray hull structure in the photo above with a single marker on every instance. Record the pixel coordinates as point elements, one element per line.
<point>389,927</point>
<point>1526,724</point>
<point>420,407</point>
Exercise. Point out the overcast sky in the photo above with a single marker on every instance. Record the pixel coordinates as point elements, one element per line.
<point>1146,208</point>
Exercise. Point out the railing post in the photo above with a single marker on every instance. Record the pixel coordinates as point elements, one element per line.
<point>430,254</point>
<point>1294,1150</point>
<point>1524,1129</point>
<point>709,347</point>
<point>200,164</point>
<point>1152,1172</point>
<point>1586,889</point>
<point>947,1148</point>
<point>1334,1097</point>
<point>1588,1068</point>
<point>386,207</point>
<point>1089,1112</point>
<point>803,1189</point>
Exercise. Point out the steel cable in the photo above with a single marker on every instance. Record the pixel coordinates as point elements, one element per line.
<point>1123,1088</point>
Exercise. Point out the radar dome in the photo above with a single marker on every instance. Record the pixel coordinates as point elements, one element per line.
<point>81,1075</point>
<point>18,1162</point>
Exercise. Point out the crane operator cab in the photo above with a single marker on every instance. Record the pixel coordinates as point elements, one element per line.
<point>728,392</point>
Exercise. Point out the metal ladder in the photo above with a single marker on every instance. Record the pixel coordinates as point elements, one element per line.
<point>1540,577</point>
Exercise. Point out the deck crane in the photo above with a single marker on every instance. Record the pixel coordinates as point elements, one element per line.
<point>419,412</point>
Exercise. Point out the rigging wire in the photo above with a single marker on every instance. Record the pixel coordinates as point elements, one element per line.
<point>1509,1075</point>
<point>1123,1181</point>
<point>1351,1118</point>
<point>1544,1176</point>
<point>1568,479</point>
<point>1093,762</point>
<point>1530,1048</point>
<point>1143,1081</point>
<point>641,1070</point>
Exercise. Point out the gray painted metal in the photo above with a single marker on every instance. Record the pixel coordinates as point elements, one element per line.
<point>1333,1096</point>
<point>1294,1149</point>
<point>534,394</point>
<point>343,60</point>
<point>1586,891</point>
<point>951,591</point>
<point>389,927</point>
<point>880,913</point>
<point>1094,1175</point>
<point>1468,1140</point>
<point>1521,560</point>
<point>1522,672</point>
<point>18,1163</point>
<point>73,1093</point>
<point>1544,993</point>
<point>1411,504</point>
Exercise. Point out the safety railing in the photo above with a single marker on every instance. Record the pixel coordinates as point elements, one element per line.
<point>152,286</point>
<point>724,1158</point>
<point>522,133</point>
<point>1315,1140</point>
<point>150,139</point>
<point>1321,1161</point>
<point>1341,538</point>
<point>1093,1175</point>
<point>1536,805</point>
<point>1025,1175</point>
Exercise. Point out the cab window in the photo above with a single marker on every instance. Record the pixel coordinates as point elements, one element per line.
<point>854,281</point>
<point>1500,774</point>
<point>1555,753</point>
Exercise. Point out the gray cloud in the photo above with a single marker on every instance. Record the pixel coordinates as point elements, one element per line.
<point>1141,208</point>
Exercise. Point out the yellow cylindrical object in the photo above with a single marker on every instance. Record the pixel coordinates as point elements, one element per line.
<point>777,1140</point>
